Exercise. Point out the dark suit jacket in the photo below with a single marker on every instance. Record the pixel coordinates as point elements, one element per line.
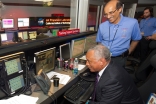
<point>116,87</point>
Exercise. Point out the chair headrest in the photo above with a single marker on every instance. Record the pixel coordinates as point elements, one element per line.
<point>153,61</point>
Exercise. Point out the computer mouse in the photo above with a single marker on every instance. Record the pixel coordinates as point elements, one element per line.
<point>86,74</point>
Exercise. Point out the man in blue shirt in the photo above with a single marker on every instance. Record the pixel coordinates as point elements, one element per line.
<point>147,27</point>
<point>117,32</point>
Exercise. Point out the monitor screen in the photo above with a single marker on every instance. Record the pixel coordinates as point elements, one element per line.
<point>7,23</point>
<point>54,32</point>
<point>23,35</point>
<point>16,83</point>
<point>20,34</point>
<point>7,37</point>
<point>32,34</point>
<point>90,42</point>
<point>45,60</point>
<point>78,46</point>
<point>13,66</point>
<point>23,22</point>
<point>65,51</point>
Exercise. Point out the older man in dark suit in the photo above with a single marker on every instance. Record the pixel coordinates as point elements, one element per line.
<point>114,85</point>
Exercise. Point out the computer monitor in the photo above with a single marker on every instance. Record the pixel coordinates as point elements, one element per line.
<point>91,28</point>
<point>23,22</point>
<point>78,46</point>
<point>90,42</point>
<point>45,60</point>
<point>13,72</point>
<point>7,23</point>
<point>65,51</point>
<point>7,37</point>
<point>23,35</point>
<point>54,32</point>
<point>32,34</point>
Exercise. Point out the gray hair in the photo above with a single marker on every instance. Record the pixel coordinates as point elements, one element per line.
<point>101,51</point>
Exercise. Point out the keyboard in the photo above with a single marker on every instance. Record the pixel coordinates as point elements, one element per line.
<point>77,90</point>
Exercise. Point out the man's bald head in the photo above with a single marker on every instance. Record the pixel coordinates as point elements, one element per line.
<point>112,11</point>
<point>115,3</point>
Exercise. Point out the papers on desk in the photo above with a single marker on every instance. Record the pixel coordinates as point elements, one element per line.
<point>63,78</point>
<point>21,99</point>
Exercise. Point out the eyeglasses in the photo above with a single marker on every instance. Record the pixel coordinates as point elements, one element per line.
<point>110,13</point>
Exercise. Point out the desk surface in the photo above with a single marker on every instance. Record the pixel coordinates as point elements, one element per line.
<point>57,91</point>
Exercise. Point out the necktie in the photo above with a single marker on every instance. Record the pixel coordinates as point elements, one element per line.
<point>96,82</point>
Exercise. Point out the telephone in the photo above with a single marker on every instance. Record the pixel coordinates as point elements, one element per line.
<point>43,81</point>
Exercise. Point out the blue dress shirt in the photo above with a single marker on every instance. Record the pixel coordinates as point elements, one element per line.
<point>117,37</point>
<point>147,26</point>
<point>154,32</point>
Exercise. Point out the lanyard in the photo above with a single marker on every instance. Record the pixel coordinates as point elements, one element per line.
<point>110,45</point>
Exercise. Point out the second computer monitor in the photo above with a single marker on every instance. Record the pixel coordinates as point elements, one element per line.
<point>65,51</point>
<point>45,60</point>
<point>78,46</point>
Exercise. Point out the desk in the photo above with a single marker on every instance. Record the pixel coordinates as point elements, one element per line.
<point>57,91</point>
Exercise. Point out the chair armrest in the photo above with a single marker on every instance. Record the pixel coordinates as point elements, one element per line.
<point>129,69</point>
<point>137,61</point>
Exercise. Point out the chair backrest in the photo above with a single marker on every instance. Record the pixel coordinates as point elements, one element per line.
<point>150,85</point>
<point>153,61</point>
<point>145,68</point>
<point>152,44</point>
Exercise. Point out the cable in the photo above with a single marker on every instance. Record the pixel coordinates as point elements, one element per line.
<point>29,89</point>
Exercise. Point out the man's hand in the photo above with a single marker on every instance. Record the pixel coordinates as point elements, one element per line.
<point>148,37</point>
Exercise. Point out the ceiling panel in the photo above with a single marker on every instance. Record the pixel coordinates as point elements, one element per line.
<point>147,2</point>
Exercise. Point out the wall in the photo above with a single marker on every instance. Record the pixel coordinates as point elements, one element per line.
<point>32,11</point>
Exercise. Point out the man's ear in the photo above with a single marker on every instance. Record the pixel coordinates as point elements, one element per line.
<point>120,10</point>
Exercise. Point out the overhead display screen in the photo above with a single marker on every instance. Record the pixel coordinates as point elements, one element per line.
<point>7,23</point>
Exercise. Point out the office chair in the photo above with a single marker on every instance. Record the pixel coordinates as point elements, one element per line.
<point>152,44</point>
<point>143,70</point>
<point>150,85</point>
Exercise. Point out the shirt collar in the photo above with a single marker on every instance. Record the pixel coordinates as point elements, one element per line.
<point>101,71</point>
<point>120,22</point>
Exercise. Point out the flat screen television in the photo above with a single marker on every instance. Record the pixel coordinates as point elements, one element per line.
<point>65,51</point>
<point>78,46</point>
<point>45,60</point>
<point>23,22</point>
<point>7,23</point>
